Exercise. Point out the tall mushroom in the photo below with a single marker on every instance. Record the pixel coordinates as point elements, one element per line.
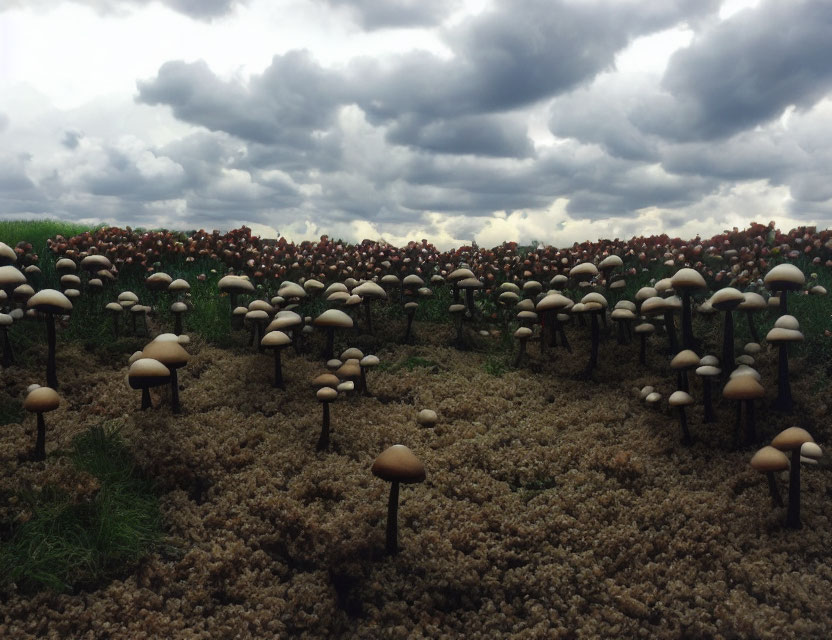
<point>752,303</point>
<point>769,460</point>
<point>726,300</point>
<point>643,331</point>
<point>707,373</point>
<point>8,356</point>
<point>50,302</point>
<point>145,373</point>
<point>681,363</point>
<point>396,464</point>
<point>784,332</point>
<point>325,395</point>
<point>686,281</point>
<point>173,356</point>
<point>782,279</point>
<point>369,291</point>
<point>792,439</point>
<point>744,389</point>
<point>276,341</point>
<point>40,401</point>
<point>522,334</point>
<point>330,320</point>
<point>680,400</point>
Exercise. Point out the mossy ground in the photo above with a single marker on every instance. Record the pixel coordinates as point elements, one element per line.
<point>553,507</point>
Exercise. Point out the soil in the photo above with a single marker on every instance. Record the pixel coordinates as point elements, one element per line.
<point>554,506</point>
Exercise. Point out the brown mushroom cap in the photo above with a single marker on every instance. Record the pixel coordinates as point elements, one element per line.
<point>687,279</point>
<point>680,399</point>
<point>49,301</point>
<point>326,394</point>
<point>41,400</point>
<point>791,438</point>
<point>686,359</point>
<point>147,372</point>
<point>770,459</point>
<point>743,387</point>
<point>275,339</point>
<point>326,380</point>
<point>397,463</point>
<point>334,318</point>
<point>426,417</point>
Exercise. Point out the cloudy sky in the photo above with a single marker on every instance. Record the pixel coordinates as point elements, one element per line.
<point>452,120</point>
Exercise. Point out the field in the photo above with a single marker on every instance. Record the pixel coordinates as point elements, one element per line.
<point>556,503</point>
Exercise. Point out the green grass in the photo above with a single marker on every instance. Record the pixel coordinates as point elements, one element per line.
<point>495,365</point>
<point>37,232</point>
<point>69,544</point>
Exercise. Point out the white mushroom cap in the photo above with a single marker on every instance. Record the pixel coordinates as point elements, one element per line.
<point>646,391</point>
<point>680,399</point>
<point>653,398</point>
<point>787,322</point>
<point>275,339</point>
<point>426,417</point>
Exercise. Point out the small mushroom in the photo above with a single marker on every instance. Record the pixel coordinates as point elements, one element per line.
<point>330,320</point>
<point>276,341</point>
<point>325,395</point>
<point>367,362</point>
<point>522,334</point>
<point>744,389</point>
<point>680,400</point>
<point>784,332</point>
<point>178,309</point>
<point>793,439</point>
<point>395,465</point>
<point>145,373</point>
<point>708,373</point>
<point>769,460</point>
<point>41,400</point>
<point>50,302</point>
<point>173,356</point>
<point>427,417</point>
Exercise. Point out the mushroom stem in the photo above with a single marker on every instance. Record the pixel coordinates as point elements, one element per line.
<point>563,341</point>
<point>773,490</point>
<point>174,391</point>
<point>366,303</point>
<point>458,323</point>
<point>8,355</point>
<point>596,335</point>
<point>682,380</point>
<point>521,351</point>
<point>115,325</point>
<point>783,304</point>
<point>642,351</point>
<point>793,513</point>
<point>784,391</point>
<point>456,294</point>
<point>469,301</point>
<point>621,337</point>
<point>392,519</point>
<point>330,342</point>
<point>51,374</point>
<point>738,425</point>
<point>145,398</point>
<point>323,440</point>
<point>177,325</point>
<point>40,444</point>
<point>683,422</point>
<point>751,326</point>
<point>750,427</point>
<point>670,327</point>
<point>707,401</point>
<point>728,344</point>
<point>363,382</point>
<point>410,315</point>
<point>278,370</point>
<point>687,325</point>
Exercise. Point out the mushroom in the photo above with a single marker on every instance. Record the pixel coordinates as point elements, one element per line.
<point>643,331</point>
<point>426,417</point>
<point>257,320</point>
<point>395,465</point>
<point>367,362</point>
<point>549,307</point>
<point>522,334</point>
<point>173,356</point>
<point>469,285</point>
<point>744,388</point>
<point>409,309</point>
<point>145,373</point>
<point>622,318</point>
<point>683,362</point>
<point>115,310</point>
<point>10,278</point>
<point>792,439</point>
<point>682,399</point>
<point>783,278</point>
<point>455,276</point>
<point>39,401</point>
<point>8,356</point>
<point>178,308</point>
<point>727,300</point>
<point>770,460</point>
<point>332,319</point>
<point>368,292</point>
<point>457,311</point>
<point>276,341</point>
<point>595,304</point>
<point>50,302</point>
<point>234,286</point>
<point>752,302</point>
<point>325,395</point>
<point>686,281</point>
<point>782,336</point>
<point>707,373</point>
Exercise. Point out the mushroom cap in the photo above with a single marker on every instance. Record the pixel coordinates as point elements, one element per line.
<point>158,280</point>
<point>523,333</point>
<point>7,254</point>
<point>460,274</point>
<point>559,281</point>
<point>334,318</point>
<point>370,361</point>
<point>179,285</point>
<point>646,391</point>
<point>743,387</point>
<point>258,315</point>
<point>261,305</point>
<point>147,372</point>
<point>136,355</point>
<point>555,301</point>
<point>49,301</point>
<point>787,322</point>
<point>41,400</point>
<point>685,359</point>
<point>413,281</point>
<point>745,359</point>
<point>709,360</point>
<point>596,298</point>
<point>469,283</point>
<point>326,394</point>
<point>511,287</point>
<point>326,380</point>
<point>178,307</point>
<point>817,290</point>
<point>114,307</point>
<point>390,279</point>
<point>645,327</point>
<point>65,264</point>
<point>311,285</point>
<point>346,386</point>
<point>235,284</point>
<point>653,398</point>
<point>170,354</point>
<point>350,369</point>
<point>653,306</point>
<point>664,286</point>
<point>811,450</point>
<point>526,304</point>
<point>752,302</point>
<point>370,290</point>
<point>352,352</point>
<point>333,363</point>
<point>6,320</point>
<point>334,287</point>
<point>337,296</point>
<point>411,307</point>
<point>128,296</point>
<point>166,337</point>
<point>532,287</point>
<point>778,336</point>
<point>610,262</point>
<point>398,464</point>
<point>626,304</point>
<point>456,308</point>
<point>70,280</point>
<point>784,276</point>
<point>708,371</point>
<point>275,339</point>
<point>426,417</point>
<point>96,262</point>
<point>646,292</point>
<point>791,438</point>
<point>770,459</point>
<point>752,348</point>
<point>622,314</point>
<point>745,370</point>
<point>680,399</point>
<point>527,315</point>
<point>291,290</point>
<point>687,278</point>
<point>584,270</point>
<point>727,299</point>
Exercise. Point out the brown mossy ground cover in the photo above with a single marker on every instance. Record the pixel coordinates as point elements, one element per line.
<point>553,506</point>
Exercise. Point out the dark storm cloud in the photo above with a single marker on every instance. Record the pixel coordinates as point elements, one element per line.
<point>4,122</point>
<point>71,139</point>
<point>18,193</point>
<point>380,14</point>
<point>291,100</point>
<point>746,71</point>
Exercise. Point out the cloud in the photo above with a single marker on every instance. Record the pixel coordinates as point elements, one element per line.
<point>746,71</point>
<point>71,139</point>
<point>380,14</point>
<point>4,122</point>
<point>197,9</point>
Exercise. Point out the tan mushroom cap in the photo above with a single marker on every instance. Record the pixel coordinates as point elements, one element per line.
<point>413,281</point>
<point>158,280</point>
<point>346,386</point>
<point>275,339</point>
<point>511,287</point>
<point>646,391</point>
<point>811,450</point>
<point>653,398</point>
<point>370,290</point>
<point>96,262</point>
<point>645,327</point>
<point>114,307</point>
<point>646,292</point>
<point>70,280</point>
<point>778,335</point>
<point>583,270</point>
<point>456,308</point>
<point>525,305</point>
<point>350,369</point>
<point>745,359</point>
<point>680,399</point>
<point>6,320</point>
<point>622,314</point>
<point>169,353</point>
<point>338,296</point>
<point>653,306</point>
<point>370,361</point>
<point>743,387</point>
<point>686,359</point>
<point>49,301</point>
<point>147,372</point>
<point>178,307</point>
<point>179,285</point>
<point>291,290</point>
<point>426,417</point>
<point>352,352</point>
<point>7,254</point>
<point>752,348</point>
<point>460,274</point>
<point>745,370</point>
<point>770,459</point>
<point>709,361</point>
<point>527,315</point>
<point>522,333</point>
<point>787,322</point>
<point>791,438</point>
<point>65,264</point>
<point>752,302</point>
<point>235,284</point>
<point>334,318</point>
<point>41,400</point>
<point>261,305</point>
<point>687,278</point>
<point>595,298</point>
<point>311,285</point>
<point>784,276</point>
<point>610,262</point>
<point>708,371</point>
<point>398,464</point>
<point>326,380</point>
<point>727,299</point>
<point>817,290</point>
<point>335,287</point>
<point>326,394</point>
